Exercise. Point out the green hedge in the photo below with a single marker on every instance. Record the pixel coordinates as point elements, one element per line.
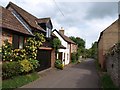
<point>10,69</point>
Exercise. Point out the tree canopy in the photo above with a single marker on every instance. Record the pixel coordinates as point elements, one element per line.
<point>81,45</point>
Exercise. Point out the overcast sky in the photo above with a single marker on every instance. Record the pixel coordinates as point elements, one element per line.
<point>79,18</point>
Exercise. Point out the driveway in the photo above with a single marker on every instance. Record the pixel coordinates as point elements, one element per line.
<point>82,75</point>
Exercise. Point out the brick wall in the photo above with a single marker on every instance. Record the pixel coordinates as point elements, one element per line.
<point>113,64</point>
<point>7,36</point>
<point>52,58</point>
<point>73,48</point>
<point>108,38</point>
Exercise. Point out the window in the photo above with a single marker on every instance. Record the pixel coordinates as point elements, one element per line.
<point>48,32</point>
<point>21,41</point>
<point>18,42</point>
<point>67,57</point>
<point>15,41</point>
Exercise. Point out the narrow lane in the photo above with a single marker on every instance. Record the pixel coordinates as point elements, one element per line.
<point>83,75</point>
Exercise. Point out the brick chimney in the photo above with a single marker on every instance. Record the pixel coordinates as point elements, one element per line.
<point>61,30</point>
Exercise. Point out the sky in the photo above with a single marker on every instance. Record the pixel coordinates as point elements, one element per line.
<point>79,18</point>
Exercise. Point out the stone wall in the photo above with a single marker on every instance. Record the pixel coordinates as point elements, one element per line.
<point>113,64</point>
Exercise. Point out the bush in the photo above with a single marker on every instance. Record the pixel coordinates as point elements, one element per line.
<point>73,57</point>
<point>26,66</point>
<point>58,64</point>
<point>10,69</point>
<point>35,63</point>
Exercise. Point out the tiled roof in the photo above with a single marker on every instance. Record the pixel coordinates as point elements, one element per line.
<point>62,47</point>
<point>29,18</point>
<point>65,37</point>
<point>9,21</point>
<point>43,20</point>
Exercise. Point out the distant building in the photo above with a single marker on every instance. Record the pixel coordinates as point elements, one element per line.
<point>70,46</point>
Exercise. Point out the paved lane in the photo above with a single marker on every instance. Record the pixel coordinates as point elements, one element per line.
<point>83,75</point>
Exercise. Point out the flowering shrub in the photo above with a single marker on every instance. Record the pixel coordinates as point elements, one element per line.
<point>19,54</point>
<point>7,51</point>
<point>32,45</point>
<point>26,66</point>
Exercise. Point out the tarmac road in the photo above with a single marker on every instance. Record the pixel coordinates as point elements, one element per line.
<point>82,75</point>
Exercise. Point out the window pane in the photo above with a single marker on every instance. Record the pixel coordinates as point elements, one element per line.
<point>15,41</point>
<point>21,42</point>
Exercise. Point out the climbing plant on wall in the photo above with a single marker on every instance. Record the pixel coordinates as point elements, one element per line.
<point>7,51</point>
<point>33,44</point>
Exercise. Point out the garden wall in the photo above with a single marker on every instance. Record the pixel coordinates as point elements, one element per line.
<point>113,64</point>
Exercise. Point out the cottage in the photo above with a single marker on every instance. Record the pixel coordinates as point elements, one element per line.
<point>70,47</point>
<point>107,39</point>
<point>12,29</point>
<point>46,54</point>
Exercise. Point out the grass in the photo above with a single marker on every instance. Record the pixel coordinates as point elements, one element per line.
<point>97,65</point>
<point>107,82</point>
<point>19,81</point>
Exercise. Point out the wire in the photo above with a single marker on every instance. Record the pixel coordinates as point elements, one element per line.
<point>58,8</point>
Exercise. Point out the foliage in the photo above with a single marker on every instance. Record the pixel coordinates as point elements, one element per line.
<point>81,45</point>
<point>19,54</point>
<point>107,82</point>
<point>7,51</point>
<point>79,41</point>
<point>26,66</point>
<point>92,52</point>
<point>19,81</point>
<point>33,44</point>
<point>10,69</point>
<point>35,63</point>
<point>56,43</point>
<point>58,64</point>
<point>73,57</point>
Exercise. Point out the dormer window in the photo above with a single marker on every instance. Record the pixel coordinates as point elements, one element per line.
<point>48,32</point>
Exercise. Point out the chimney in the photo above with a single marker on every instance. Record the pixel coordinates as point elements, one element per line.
<point>61,30</point>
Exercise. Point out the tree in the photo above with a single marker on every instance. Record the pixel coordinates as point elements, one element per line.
<point>56,44</point>
<point>92,52</point>
<point>81,45</point>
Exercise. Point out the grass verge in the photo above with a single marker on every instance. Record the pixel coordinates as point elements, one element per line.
<point>107,82</point>
<point>19,81</point>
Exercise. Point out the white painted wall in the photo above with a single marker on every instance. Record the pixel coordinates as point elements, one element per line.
<point>66,51</point>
